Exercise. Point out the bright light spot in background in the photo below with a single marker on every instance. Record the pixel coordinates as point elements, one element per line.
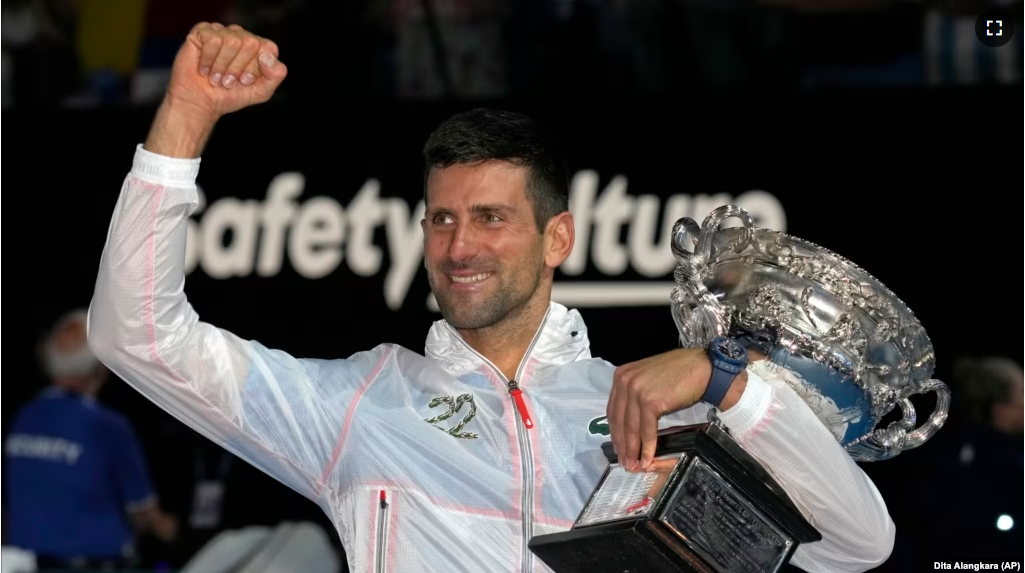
<point>1005,522</point>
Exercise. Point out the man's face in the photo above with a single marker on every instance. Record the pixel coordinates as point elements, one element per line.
<point>482,249</point>
<point>71,337</point>
<point>70,361</point>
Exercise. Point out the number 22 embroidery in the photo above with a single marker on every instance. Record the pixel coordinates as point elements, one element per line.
<point>454,406</point>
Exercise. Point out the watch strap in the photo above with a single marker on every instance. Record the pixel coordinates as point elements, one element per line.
<point>724,372</point>
<point>720,382</point>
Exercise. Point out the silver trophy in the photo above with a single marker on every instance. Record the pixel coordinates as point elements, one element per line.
<point>846,344</point>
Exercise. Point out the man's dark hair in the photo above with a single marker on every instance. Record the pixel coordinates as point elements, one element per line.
<point>493,135</point>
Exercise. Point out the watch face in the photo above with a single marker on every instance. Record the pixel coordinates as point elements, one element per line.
<point>731,349</point>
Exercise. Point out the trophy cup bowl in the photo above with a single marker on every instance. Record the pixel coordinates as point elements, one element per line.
<point>849,346</point>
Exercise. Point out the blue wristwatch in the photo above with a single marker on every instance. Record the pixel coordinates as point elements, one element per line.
<point>729,359</point>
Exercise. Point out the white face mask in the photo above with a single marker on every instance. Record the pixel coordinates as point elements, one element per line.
<point>78,363</point>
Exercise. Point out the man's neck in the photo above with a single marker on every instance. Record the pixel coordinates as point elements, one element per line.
<point>505,344</point>
<point>72,384</point>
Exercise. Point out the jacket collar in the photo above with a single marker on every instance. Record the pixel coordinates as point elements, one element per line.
<point>562,338</point>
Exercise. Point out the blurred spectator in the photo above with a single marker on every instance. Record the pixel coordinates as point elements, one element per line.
<point>91,52</point>
<point>964,501</point>
<point>211,491</point>
<point>953,54</point>
<point>75,477</point>
<point>109,38</point>
<point>40,58</point>
<point>991,394</point>
<point>681,46</point>
<point>166,24</point>
<point>448,48</point>
<point>209,505</point>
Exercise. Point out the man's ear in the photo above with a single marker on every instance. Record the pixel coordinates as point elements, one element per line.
<point>560,234</point>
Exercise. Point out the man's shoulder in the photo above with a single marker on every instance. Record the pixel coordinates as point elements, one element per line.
<point>364,362</point>
<point>381,351</point>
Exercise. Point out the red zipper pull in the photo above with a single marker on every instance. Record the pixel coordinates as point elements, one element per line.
<point>384,499</point>
<point>517,395</point>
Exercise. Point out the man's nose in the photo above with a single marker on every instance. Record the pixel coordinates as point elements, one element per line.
<point>465,244</point>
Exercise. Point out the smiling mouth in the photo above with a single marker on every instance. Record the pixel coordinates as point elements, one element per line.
<point>471,279</point>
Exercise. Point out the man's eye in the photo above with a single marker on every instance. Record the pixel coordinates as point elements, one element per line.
<point>442,220</point>
<point>492,218</point>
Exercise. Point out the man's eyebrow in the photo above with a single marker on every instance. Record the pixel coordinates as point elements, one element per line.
<point>477,209</point>
<point>491,208</point>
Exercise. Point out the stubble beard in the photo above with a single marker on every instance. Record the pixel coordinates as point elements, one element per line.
<point>489,311</point>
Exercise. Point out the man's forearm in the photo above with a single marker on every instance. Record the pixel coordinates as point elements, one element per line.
<point>179,131</point>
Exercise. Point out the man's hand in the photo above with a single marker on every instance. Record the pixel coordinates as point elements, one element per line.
<point>152,519</point>
<point>165,527</point>
<point>218,70</point>
<point>646,390</point>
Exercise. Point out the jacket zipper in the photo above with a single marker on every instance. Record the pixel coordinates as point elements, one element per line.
<point>382,531</point>
<point>521,405</point>
<point>523,423</point>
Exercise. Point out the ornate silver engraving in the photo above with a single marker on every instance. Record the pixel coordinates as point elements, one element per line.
<point>849,339</point>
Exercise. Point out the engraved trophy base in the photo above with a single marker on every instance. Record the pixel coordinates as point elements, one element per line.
<point>704,506</point>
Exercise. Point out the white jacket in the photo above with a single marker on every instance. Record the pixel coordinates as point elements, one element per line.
<point>462,494</point>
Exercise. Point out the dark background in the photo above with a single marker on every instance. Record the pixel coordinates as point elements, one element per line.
<point>913,175</point>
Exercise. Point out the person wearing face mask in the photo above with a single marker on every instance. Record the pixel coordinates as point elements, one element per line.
<point>77,490</point>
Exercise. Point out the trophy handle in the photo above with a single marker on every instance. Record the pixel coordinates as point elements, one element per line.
<point>686,231</point>
<point>698,314</point>
<point>900,436</point>
<point>936,420</point>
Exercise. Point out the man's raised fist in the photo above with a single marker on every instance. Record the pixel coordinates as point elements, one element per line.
<point>221,69</point>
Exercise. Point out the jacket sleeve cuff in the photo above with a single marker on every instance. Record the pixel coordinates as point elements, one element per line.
<point>170,171</point>
<point>751,408</point>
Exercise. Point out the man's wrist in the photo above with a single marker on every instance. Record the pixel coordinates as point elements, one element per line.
<point>724,373</point>
<point>180,130</point>
<point>735,392</point>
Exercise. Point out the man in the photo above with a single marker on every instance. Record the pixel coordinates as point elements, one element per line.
<point>983,460</point>
<point>458,458</point>
<point>74,468</point>
<point>992,390</point>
